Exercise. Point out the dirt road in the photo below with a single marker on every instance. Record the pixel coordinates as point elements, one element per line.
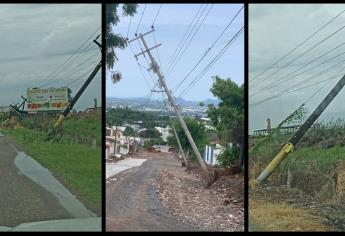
<point>132,202</point>
<point>22,200</point>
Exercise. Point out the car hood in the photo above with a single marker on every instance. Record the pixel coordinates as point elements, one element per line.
<point>79,224</point>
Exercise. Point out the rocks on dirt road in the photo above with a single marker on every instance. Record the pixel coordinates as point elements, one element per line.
<point>217,208</point>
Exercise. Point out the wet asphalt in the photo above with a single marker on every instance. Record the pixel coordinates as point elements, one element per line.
<point>21,199</point>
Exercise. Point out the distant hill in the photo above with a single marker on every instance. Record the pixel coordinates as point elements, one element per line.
<point>180,101</point>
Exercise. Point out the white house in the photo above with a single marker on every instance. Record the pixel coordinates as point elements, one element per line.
<point>211,153</point>
<point>164,132</point>
<point>122,143</point>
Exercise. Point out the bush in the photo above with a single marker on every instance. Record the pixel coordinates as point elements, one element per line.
<point>230,156</point>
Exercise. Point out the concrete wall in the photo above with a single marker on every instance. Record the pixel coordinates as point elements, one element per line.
<point>210,155</point>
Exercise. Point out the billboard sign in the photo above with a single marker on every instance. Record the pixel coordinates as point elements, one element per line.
<point>49,99</point>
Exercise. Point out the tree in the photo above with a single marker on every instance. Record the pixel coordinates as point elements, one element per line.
<point>151,133</point>
<point>115,40</point>
<point>129,131</point>
<point>196,129</point>
<point>228,117</point>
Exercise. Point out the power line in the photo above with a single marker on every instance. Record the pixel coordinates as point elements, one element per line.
<point>209,49</point>
<point>73,71</point>
<point>51,76</point>
<point>159,9</point>
<point>318,74</point>
<point>82,76</point>
<point>140,69</point>
<point>288,90</point>
<point>129,26</point>
<point>295,90</point>
<point>281,80</point>
<point>136,32</point>
<point>178,58</point>
<point>183,38</point>
<point>304,53</point>
<point>300,44</point>
<point>211,64</point>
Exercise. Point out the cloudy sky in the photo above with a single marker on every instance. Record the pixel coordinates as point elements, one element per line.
<point>276,29</point>
<point>37,39</point>
<point>171,24</point>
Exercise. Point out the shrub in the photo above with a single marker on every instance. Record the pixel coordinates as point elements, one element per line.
<point>230,156</point>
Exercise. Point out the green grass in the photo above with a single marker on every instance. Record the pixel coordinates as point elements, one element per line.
<point>302,159</point>
<point>84,125</point>
<point>77,166</point>
<point>324,159</point>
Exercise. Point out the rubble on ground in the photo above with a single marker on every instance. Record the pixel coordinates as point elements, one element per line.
<point>217,208</point>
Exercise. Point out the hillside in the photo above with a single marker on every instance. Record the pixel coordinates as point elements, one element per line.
<point>311,180</point>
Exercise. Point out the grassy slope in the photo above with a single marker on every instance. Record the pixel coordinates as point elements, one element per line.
<point>85,126</point>
<point>265,216</point>
<point>77,166</point>
<point>325,159</point>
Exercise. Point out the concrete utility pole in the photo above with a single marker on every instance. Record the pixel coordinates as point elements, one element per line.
<point>155,68</point>
<point>176,136</point>
<point>289,147</point>
<point>80,91</point>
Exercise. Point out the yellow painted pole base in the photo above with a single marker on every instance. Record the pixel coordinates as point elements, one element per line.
<point>59,121</point>
<point>275,162</point>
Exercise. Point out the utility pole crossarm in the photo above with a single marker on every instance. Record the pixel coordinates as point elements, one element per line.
<point>163,85</point>
<point>147,50</point>
<point>129,41</point>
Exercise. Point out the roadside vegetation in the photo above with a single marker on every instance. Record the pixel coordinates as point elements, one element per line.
<point>316,168</point>
<point>120,116</point>
<point>68,154</point>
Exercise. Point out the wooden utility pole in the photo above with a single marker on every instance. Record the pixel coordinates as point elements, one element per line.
<point>155,68</point>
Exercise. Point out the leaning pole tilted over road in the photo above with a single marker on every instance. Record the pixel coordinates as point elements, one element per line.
<point>288,147</point>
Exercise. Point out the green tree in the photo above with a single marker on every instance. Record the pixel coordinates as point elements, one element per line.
<point>129,131</point>
<point>197,130</point>
<point>151,133</point>
<point>228,117</point>
<point>114,40</point>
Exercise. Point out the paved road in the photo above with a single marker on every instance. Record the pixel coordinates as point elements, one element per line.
<point>118,167</point>
<point>22,200</point>
<point>132,202</point>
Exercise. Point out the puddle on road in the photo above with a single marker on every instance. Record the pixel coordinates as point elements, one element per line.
<point>1,135</point>
<point>42,176</point>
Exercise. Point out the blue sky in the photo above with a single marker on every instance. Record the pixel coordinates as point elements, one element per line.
<point>171,24</point>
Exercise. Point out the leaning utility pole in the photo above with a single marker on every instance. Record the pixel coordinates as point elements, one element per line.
<point>80,91</point>
<point>300,132</point>
<point>176,136</point>
<point>155,68</point>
